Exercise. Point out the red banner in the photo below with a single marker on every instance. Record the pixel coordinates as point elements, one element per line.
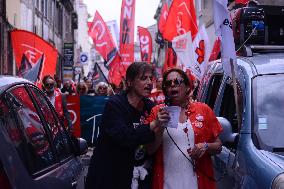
<point>73,106</point>
<point>127,19</point>
<point>181,19</point>
<point>145,40</point>
<point>102,38</point>
<point>163,18</point>
<point>31,50</point>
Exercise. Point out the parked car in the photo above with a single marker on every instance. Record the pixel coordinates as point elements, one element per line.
<point>37,152</point>
<point>253,155</point>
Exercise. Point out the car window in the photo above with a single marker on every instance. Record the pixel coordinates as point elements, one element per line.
<point>213,89</point>
<point>59,134</point>
<point>268,111</point>
<point>228,105</point>
<point>26,131</point>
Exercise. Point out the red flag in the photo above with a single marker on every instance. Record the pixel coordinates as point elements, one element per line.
<point>102,38</point>
<point>73,106</point>
<point>170,60</point>
<point>89,24</point>
<point>36,50</point>
<point>127,18</point>
<point>243,2</point>
<point>215,50</point>
<point>181,19</point>
<point>163,18</point>
<point>145,40</point>
<point>115,72</point>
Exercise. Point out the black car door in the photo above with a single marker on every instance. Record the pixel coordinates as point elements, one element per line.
<point>60,138</point>
<point>41,156</point>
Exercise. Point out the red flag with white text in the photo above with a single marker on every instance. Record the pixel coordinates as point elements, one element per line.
<point>145,40</point>
<point>102,38</point>
<point>163,17</point>
<point>181,19</point>
<point>73,106</point>
<point>126,38</point>
<point>33,54</point>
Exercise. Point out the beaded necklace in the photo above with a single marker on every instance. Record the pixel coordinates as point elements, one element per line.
<point>185,129</point>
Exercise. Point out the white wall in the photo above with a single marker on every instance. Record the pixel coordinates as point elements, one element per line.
<point>13,8</point>
<point>81,35</point>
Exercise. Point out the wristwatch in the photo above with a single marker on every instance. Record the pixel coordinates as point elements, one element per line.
<point>206,146</point>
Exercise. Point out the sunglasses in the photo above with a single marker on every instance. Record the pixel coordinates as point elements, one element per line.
<point>49,85</point>
<point>175,82</point>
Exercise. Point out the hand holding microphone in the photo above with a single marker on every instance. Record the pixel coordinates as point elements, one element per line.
<point>161,119</point>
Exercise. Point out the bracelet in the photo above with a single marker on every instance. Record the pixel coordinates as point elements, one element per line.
<point>206,146</point>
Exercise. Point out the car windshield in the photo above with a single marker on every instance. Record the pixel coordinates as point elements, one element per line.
<point>268,105</point>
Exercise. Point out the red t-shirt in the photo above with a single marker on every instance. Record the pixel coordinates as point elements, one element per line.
<point>206,129</point>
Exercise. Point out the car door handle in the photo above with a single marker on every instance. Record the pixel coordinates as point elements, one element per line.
<point>74,184</point>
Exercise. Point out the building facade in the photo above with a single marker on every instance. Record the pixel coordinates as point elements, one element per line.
<point>53,20</point>
<point>83,42</point>
<point>6,60</point>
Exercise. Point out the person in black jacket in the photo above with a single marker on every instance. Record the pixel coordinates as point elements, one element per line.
<point>123,131</point>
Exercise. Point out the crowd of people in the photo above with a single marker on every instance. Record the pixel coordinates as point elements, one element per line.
<point>136,147</point>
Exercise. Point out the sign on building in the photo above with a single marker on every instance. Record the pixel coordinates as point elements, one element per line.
<point>68,54</point>
<point>84,58</point>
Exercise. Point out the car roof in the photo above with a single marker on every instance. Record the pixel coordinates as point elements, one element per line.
<point>267,63</point>
<point>6,81</point>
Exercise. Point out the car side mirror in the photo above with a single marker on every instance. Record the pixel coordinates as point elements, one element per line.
<point>80,145</point>
<point>83,146</point>
<point>227,135</point>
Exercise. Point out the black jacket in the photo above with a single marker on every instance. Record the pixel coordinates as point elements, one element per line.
<point>121,132</point>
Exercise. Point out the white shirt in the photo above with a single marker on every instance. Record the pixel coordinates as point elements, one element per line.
<point>178,171</point>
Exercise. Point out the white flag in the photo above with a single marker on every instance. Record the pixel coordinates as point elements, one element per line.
<point>182,45</point>
<point>193,55</point>
<point>201,49</point>
<point>223,28</point>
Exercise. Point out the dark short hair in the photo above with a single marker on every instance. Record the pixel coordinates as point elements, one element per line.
<point>45,78</point>
<point>183,75</point>
<point>136,68</point>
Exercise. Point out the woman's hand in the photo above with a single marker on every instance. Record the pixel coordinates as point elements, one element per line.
<point>161,119</point>
<point>157,126</point>
<point>212,148</point>
<point>197,151</point>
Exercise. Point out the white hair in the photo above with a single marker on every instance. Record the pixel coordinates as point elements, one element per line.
<point>100,84</point>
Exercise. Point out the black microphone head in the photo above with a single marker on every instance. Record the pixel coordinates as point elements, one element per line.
<point>167,100</point>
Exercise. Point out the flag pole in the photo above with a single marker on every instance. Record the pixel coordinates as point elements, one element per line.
<point>235,93</point>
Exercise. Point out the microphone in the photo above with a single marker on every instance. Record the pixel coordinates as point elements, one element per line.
<point>167,100</point>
